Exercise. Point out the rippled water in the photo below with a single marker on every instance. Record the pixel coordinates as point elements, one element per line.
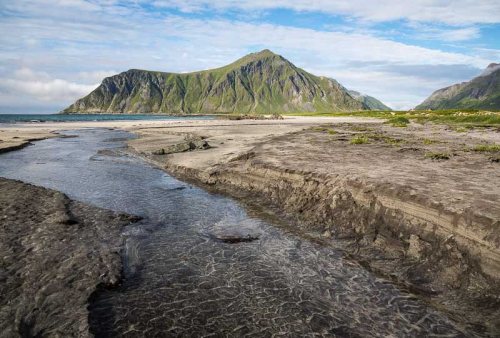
<point>180,280</point>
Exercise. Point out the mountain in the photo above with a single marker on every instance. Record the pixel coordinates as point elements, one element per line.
<point>261,82</point>
<point>482,92</point>
<point>369,101</point>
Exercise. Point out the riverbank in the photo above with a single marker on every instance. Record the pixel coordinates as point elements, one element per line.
<point>12,139</point>
<point>418,204</point>
<point>54,253</point>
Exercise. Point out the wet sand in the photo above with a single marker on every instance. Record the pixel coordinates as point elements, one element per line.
<point>14,139</point>
<point>417,205</point>
<point>54,253</point>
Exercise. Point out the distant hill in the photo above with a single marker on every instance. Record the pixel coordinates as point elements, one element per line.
<point>482,92</point>
<point>371,102</point>
<point>261,82</point>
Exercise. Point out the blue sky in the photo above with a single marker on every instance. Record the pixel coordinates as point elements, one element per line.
<point>55,51</point>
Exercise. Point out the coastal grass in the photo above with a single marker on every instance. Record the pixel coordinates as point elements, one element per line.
<point>398,121</point>
<point>428,141</point>
<point>361,139</point>
<point>487,148</point>
<point>457,119</point>
<point>384,138</point>
<point>360,128</point>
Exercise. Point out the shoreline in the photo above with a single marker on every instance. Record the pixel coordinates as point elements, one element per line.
<point>9,141</point>
<point>56,252</point>
<point>444,249</point>
<point>449,256</point>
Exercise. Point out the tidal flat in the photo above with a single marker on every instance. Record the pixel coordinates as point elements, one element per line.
<point>348,239</point>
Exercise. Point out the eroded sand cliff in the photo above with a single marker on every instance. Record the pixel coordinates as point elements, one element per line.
<point>418,204</point>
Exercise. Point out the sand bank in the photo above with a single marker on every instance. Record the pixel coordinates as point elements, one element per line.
<point>54,254</point>
<point>419,205</point>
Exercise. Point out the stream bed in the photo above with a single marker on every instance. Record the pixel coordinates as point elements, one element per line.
<point>200,264</point>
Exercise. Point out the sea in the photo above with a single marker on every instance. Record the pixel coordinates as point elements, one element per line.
<point>23,118</point>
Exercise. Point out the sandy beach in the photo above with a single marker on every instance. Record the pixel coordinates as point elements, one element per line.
<point>418,205</point>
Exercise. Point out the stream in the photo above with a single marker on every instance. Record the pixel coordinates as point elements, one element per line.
<point>184,275</point>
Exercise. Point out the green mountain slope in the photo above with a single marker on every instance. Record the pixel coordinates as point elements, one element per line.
<point>261,82</point>
<point>371,102</point>
<point>482,92</point>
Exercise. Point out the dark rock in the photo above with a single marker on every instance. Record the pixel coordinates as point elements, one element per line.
<point>233,239</point>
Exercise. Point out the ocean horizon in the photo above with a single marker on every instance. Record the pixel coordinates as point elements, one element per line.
<point>21,118</point>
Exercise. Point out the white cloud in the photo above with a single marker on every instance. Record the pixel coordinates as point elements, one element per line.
<point>438,32</point>
<point>332,47</point>
<point>456,12</point>
<point>39,85</point>
<point>95,76</point>
<point>461,34</point>
<point>71,56</point>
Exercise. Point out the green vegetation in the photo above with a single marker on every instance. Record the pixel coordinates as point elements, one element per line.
<point>454,118</point>
<point>371,102</point>
<point>383,138</point>
<point>393,141</point>
<point>332,132</point>
<point>259,83</point>
<point>482,92</point>
<point>360,128</point>
<point>399,121</point>
<point>428,141</point>
<point>487,148</point>
<point>472,118</point>
<point>319,129</point>
<point>360,140</point>
<point>437,156</point>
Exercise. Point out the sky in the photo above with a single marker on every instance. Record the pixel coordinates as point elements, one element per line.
<point>56,51</point>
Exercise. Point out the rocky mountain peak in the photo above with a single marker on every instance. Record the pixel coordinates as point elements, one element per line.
<point>482,92</point>
<point>492,67</point>
<point>261,82</point>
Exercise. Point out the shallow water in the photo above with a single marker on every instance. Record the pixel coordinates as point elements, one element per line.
<point>181,280</point>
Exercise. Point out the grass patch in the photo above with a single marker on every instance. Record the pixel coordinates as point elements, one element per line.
<point>360,128</point>
<point>459,129</point>
<point>437,156</point>
<point>467,118</point>
<point>384,138</point>
<point>319,129</point>
<point>322,129</point>
<point>360,140</point>
<point>393,141</point>
<point>428,141</point>
<point>399,121</point>
<point>487,148</point>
